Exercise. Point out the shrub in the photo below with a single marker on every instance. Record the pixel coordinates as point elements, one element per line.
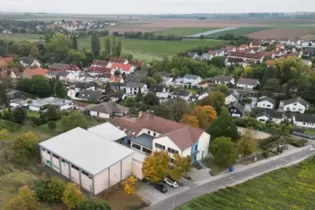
<point>49,190</point>
<point>52,125</point>
<point>297,142</point>
<point>93,204</point>
<point>72,196</point>
<point>263,143</point>
<point>266,154</point>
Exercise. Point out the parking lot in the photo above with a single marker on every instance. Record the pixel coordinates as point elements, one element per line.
<point>151,195</point>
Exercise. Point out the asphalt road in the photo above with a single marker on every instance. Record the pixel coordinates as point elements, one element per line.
<point>206,33</point>
<point>233,179</point>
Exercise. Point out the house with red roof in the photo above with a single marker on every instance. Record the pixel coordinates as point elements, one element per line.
<point>64,67</point>
<point>96,70</point>
<point>149,133</point>
<point>116,79</point>
<point>243,47</point>
<point>123,68</point>
<point>118,60</point>
<point>99,63</point>
<point>29,73</point>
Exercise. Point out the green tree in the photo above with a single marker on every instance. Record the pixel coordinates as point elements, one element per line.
<point>247,145</point>
<point>4,100</point>
<point>163,110</point>
<point>222,88</point>
<point>37,85</point>
<point>25,146</point>
<point>155,166</point>
<point>273,85</point>
<point>182,165</point>
<point>215,99</point>
<point>118,48</point>
<point>114,46</point>
<point>75,119</point>
<point>107,51</point>
<point>25,200</point>
<point>94,204</point>
<point>19,115</point>
<point>60,90</point>
<point>75,57</point>
<point>224,126</point>
<point>72,196</point>
<point>52,113</point>
<point>49,189</point>
<point>151,99</point>
<point>224,151</point>
<point>74,42</point>
<point>59,44</point>
<point>96,46</point>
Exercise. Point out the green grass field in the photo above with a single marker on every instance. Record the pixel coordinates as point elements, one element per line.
<point>153,49</point>
<point>242,31</point>
<point>22,37</point>
<point>287,188</point>
<point>182,31</point>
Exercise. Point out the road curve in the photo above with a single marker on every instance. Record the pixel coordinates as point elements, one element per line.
<point>233,179</point>
<point>206,33</point>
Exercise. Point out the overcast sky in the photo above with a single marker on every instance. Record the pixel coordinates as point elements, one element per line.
<point>155,6</point>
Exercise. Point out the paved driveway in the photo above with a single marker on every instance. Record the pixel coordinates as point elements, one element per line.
<point>151,195</point>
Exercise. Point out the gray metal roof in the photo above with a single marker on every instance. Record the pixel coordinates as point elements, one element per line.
<point>50,101</point>
<point>86,150</point>
<point>295,100</point>
<point>191,76</point>
<point>143,140</point>
<point>108,131</point>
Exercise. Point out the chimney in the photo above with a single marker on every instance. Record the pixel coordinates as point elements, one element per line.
<point>140,114</point>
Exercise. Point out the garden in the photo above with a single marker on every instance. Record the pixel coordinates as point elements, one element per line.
<point>287,188</point>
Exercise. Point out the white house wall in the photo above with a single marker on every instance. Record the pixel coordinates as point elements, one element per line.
<point>265,104</point>
<point>295,108</point>
<point>229,99</point>
<point>75,177</point>
<point>126,167</point>
<point>55,164</point>
<point>203,146</point>
<point>165,141</point>
<point>305,125</point>
<point>34,108</point>
<point>100,115</point>
<point>114,172</point>
<point>65,169</point>
<point>136,169</point>
<point>148,132</point>
<point>86,182</point>
<point>101,182</point>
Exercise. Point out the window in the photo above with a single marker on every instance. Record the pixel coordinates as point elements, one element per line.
<point>172,151</point>
<point>43,150</point>
<point>159,146</point>
<point>74,167</point>
<point>55,156</point>
<point>303,123</point>
<point>147,151</point>
<point>86,174</point>
<point>268,105</point>
<point>154,134</point>
<point>136,146</point>
<point>62,160</point>
<point>48,152</point>
<point>149,132</point>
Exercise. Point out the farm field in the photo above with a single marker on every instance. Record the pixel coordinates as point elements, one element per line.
<point>242,31</point>
<point>182,31</point>
<point>21,37</point>
<point>282,33</point>
<point>287,188</point>
<point>153,49</point>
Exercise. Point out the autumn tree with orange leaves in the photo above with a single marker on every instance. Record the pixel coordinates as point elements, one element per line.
<point>129,185</point>
<point>155,167</point>
<point>205,115</point>
<point>190,120</point>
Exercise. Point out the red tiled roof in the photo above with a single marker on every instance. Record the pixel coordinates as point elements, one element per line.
<point>212,52</point>
<point>63,67</point>
<point>99,62</point>
<point>182,135</point>
<point>243,46</point>
<point>121,66</point>
<point>8,59</point>
<point>115,78</point>
<point>98,69</point>
<point>246,55</point>
<point>117,60</point>
<point>32,72</point>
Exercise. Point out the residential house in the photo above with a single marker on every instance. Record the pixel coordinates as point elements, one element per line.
<point>116,79</point>
<point>95,96</point>
<point>181,93</point>
<point>230,48</point>
<point>207,56</point>
<point>243,47</point>
<point>13,73</point>
<point>193,80</point>
<point>97,70</point>
<point>137,76</point>
<point>204,94</point>
<point>76,155</point>
<point>270,115</point>
<point>219,80</point>
<point>118,60</point>
<point>255,57</point>
<point>235,62</point>
<point>41,104</point>
<point>109,132</point>
<point>236,109</point>
<point>166,76</point>
<point>133,88</point>
<point>64,67</point>
<point>304,121</point>
<point>297,104</point>
<point>307,53</point>
<point>116,96</point>
<point>193,55</point>
<point>160,91</point>
<point>266,102</point>
<point>231,97</point>
<point>4,62</point>
<point>99,63</point>
<point>247,83</point>
<point>68,76</point>
<point>122,68</point>
<point>107,110</point>
<point>18,98</point>
<point>255,44</point>
<point>164,134</point>
<point>80,86</point>
<point>29,62</point>
<point>29,73</point>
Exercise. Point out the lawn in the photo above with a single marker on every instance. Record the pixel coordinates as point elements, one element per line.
<point>153,49</point>
<point>182,31</point>
<point>22,37</point>
<point>287,188</point>
<point>309,132</point>
<point>242,31</point>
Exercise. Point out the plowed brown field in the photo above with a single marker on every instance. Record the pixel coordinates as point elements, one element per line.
<point>282,33</point>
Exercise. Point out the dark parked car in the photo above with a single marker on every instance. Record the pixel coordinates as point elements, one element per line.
<point>161,187</point>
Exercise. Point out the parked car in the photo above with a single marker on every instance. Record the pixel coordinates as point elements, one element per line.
<point>161,187</point>
<point>171,182</point>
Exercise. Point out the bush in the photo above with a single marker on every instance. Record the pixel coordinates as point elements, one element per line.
<point>93,204</point>
<point>49,190</point>
<point>263,143</point>
<point>297,142</point>
<point>52,125</point>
